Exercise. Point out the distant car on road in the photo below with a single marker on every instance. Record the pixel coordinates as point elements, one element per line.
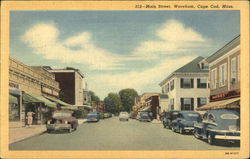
<point>133,114</point>
<point>62,120</point>
<point>168,118</point>
<point>144,116</point>
<point>123,116</point>
<point>218,125</point>
<point>93,117</point>
<point>185,121</point>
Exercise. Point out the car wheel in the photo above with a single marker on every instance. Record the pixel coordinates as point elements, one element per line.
<point>164,126</point>
<point>181,130</point>
<point>210,139</point>
<point>196,135</point>
<point>48,131</point>
<point>70,130</point>
<point>173,129</point>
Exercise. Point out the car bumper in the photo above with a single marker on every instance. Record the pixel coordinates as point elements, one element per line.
<point>58,126</point>
<point>92,119</point>
<point>225,137</point>
<point>188,128</point>
<point>123,119</point>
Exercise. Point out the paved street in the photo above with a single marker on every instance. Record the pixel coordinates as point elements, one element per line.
<point>111,134</point>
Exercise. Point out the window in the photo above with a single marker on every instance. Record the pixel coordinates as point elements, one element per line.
<point>172,85</point>
<point>204,66</point>
<point>162,89</point>
<point>222,75</point>
<point>168,87</point>
<point>201,101</point>
<point>213,78</point>
<point>233,70</point>
<point>187,103</point>
<point>201,83</point>
<point>238,68</point>
<point>187,83</point>
<point>172,103</point>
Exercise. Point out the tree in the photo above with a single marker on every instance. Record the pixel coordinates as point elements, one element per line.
<point>94,97</point>
<point>128,98</point>
<point>112,103</point>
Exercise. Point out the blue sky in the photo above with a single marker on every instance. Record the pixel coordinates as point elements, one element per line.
<point>119,49</point>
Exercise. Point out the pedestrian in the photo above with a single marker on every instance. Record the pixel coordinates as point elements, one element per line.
<point>30,117</point>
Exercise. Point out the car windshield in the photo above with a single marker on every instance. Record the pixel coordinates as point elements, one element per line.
<point>123,113</point>
<point>229,116</point>
<point>144,114</point>
<point>192,116</point>
<point>62,114</point>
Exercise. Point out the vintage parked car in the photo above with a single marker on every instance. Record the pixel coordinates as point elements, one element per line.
<point>123,116</point>
<point>184,121</point>
<point>218,125</point>
<point>144,116</point>
<point>62,120</point>
<point>107,115</point>
<point>133,114</point>
<point>93,117</point>
<point>168,118</point>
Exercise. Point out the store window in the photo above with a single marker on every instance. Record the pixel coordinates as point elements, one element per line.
<point>201,83</point>
<point>187,83</point>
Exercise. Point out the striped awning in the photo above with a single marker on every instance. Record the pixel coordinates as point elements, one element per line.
<point>229,103</point>
<point>12,99</point>
<point>145,109</point>
<point>57,101</point>
<point>33,98</point>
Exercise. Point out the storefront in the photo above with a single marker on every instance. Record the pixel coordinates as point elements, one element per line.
<point>40,106</point>
<point>15,108</point>
<point>233,103</point>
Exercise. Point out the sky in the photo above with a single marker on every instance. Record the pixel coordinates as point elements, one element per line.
<point>119,49</point>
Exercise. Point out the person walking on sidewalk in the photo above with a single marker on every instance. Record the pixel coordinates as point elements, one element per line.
<point>30,117</point>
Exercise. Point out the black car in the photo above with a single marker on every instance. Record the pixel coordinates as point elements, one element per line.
<point>168,118</point>
<point>218,125</point>
<point>185,121</point>
<point>144,116</point>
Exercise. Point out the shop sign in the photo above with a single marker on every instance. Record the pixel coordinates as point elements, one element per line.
<point>221,96</point>
<point>13,85</point>
<point>46,90</point>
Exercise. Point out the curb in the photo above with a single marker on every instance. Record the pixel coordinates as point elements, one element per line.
<point>37,134</point>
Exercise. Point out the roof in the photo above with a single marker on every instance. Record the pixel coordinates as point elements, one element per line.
<point>191,67</point>
<point>225,49</point>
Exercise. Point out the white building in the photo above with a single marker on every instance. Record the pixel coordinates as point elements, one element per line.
<point>187,87</point>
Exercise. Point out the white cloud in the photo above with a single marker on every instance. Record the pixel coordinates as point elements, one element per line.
<point>111,82</point>
<point>43,38</point>
<point>174,37</point>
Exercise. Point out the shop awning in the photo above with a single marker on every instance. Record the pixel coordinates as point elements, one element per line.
<point>33,98</point>
<point>57,101</point>
<point>12,99</point>
<point>229,103</point>
<point>145,109</point>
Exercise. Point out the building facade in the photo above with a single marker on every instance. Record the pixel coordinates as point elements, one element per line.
<point>28,85</point>
<point>187,88</point>
<point>224,73</point>
<point>71,84</point>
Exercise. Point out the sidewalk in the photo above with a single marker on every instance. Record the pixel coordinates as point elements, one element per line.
<point>21,133</point>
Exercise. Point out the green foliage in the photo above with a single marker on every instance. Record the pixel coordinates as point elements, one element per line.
<point>94,98</point>
<point>128,98</point>
<point>113,103</point>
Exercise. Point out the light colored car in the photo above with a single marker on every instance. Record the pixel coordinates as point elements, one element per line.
<point>123,116</point>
